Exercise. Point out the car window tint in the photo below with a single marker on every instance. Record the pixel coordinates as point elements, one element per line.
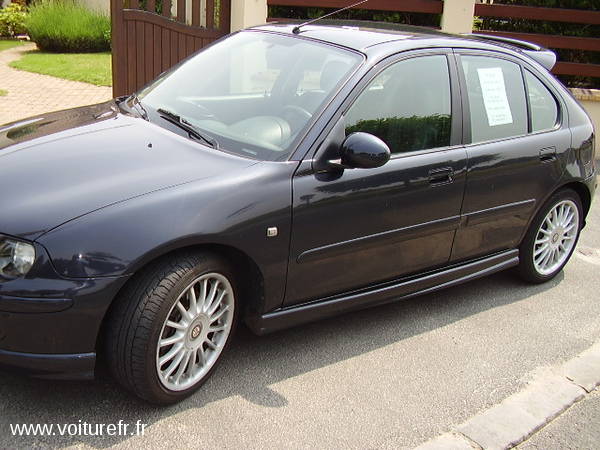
<point>496,96</point>
<point>408,105</point>
<point>544,109</point>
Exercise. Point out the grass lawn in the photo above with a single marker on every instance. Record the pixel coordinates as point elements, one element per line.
<point>94,68</point>
<point>5,44</point>
<point>3,92</point>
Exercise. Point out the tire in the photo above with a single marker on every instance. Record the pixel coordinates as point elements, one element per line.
<point>153,324</point>
<point>551,239</point>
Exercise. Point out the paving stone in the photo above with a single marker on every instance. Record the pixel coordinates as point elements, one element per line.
<point>30,94</point>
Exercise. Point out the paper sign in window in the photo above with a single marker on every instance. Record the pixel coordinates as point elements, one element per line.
<point>495,100</point>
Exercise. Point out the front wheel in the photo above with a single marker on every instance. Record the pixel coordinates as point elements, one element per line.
<point>551,238</point>
<point>170,326</point>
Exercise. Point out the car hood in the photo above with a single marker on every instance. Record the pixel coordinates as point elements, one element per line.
<point>59,166</point>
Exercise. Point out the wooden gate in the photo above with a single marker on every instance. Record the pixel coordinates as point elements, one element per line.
<point>149,36</point>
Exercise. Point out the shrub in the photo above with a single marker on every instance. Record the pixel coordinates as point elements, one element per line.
<point>62,26</point>
<point>12,20</point>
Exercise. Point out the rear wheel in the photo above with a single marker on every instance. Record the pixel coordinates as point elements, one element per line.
<point>551,238</point>
<point>171,325</point>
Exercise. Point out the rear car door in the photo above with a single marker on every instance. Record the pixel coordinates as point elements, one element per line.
<point>516,136</point>
<point>365,226</point>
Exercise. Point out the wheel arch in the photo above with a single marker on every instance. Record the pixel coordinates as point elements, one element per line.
<point>527,266</point>
<point>580,189</point>
<point>584,195</point>
<point>249,279</point>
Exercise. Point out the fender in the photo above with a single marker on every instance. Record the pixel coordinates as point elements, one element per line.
<point>229,210</point>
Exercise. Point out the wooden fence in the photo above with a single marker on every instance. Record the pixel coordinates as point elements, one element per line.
<point>146,43</point>
<point>493,10</point>
<point>149,36</point>
<point>552,41</point>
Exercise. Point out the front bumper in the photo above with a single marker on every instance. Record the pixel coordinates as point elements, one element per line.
<point>79,366</point>
<point>49,325</point>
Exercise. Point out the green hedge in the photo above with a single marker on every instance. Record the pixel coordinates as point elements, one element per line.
<point>62,26</point>
<point>306,13</point>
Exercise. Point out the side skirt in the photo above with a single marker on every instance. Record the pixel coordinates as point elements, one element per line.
<point>382,293</point>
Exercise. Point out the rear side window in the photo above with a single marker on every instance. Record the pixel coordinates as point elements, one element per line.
<point>496,97</point>
<point>544,108</point>
<point>408,105</point>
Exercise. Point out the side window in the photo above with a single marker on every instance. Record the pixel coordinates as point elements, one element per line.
<point>408,105</point>
<point>496,96</point>
<point>544,109</point>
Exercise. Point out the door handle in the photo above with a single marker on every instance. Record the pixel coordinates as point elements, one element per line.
<point>548,154</point>
<point>443,175</point>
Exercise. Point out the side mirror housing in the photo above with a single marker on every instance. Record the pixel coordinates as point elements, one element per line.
<point>362,151</point>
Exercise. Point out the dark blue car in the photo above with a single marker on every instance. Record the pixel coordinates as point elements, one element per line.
<point>282,175</point>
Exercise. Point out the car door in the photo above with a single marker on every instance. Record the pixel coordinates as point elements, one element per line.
<point>357,227</point>
<point>516,142</point>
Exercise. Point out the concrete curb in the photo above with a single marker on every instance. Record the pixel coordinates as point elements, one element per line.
<point>448,441</point>
<point>519,416</point>
<point>584,370</point>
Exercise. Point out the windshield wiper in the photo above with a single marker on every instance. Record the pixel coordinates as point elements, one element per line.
<point>176,119</point>
<point>138,102</point>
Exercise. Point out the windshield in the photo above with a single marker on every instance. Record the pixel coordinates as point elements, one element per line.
<point>253,93</point>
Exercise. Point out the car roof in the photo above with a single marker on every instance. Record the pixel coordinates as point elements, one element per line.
<point>366,36</point>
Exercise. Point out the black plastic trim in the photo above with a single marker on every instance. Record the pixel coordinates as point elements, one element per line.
<point>524,208</point>
<point>33,305</point>
<point>397,235</point>
<point>384,293</point>
<point>79,366</point>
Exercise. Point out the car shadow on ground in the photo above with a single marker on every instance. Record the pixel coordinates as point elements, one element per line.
<point>253,363</point>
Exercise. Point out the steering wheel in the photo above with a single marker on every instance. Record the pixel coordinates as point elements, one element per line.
<point>296,116</point>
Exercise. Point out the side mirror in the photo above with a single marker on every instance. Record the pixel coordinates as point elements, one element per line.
<point>362,151</point>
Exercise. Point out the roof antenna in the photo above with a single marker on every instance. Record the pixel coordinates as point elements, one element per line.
<point>296,29</point>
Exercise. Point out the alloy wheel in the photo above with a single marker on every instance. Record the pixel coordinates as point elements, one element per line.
<point>195,332</point>
<point>556,237</point>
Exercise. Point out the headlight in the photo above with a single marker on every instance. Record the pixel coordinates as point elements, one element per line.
<point>16,258</point>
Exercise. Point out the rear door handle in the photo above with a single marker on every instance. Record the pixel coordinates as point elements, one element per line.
<point>442,175</point>
<point>548,154</point>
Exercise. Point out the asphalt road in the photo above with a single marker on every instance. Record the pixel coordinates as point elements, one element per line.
<point>388,377</point>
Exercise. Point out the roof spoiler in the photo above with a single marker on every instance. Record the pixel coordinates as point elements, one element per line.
<point>543,56</point>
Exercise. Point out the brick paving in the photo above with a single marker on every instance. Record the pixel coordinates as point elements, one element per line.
<point>31,93</point>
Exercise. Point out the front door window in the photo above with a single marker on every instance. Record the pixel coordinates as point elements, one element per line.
<point>408,105</point>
